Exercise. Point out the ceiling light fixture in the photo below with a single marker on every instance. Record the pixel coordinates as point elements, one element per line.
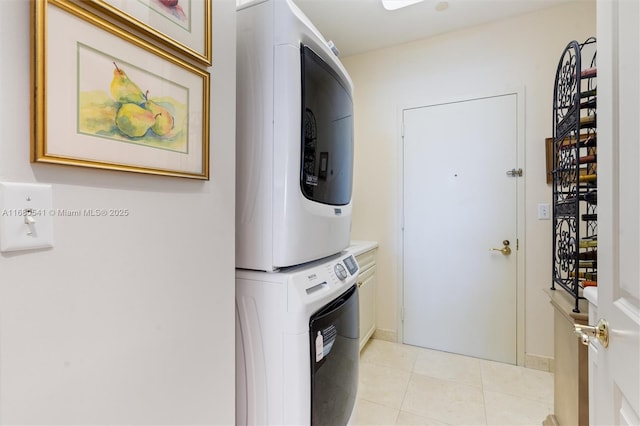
<point>398,4</point>
<point>441,6</point>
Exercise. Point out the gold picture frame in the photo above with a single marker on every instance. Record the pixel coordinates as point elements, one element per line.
<point>181,25</point>
<point>103,98</point>
<point>550,151</point>
<point>548,145</point>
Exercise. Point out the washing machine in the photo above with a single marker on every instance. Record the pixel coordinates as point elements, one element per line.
<point>297,344</point>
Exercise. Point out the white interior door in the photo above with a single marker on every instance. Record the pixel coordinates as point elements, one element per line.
<point>614,394</point>
<point>459,295</point>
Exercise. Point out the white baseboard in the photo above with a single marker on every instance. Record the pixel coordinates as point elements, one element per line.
<point>538,362</point>
<point>388,335</point>
<point>535,362</point>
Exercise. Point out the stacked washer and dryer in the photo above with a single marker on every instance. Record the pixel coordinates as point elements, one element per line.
<point>297,343</point>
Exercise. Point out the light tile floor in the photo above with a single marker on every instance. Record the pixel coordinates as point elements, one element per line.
<point>407,385</point>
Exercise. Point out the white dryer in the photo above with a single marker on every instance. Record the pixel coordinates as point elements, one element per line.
<point>297,344</point>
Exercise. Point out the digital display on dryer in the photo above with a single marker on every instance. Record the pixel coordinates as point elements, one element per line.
<point>351,265</point>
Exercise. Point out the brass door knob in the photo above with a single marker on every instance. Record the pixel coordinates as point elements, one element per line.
<point>599,331</point>
<point>506,250</point>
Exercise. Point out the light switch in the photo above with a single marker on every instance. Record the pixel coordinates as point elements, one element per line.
<point>544,212</point>
<point>26,216</point>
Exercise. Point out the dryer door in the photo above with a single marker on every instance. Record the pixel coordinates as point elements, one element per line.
<point>334,344</point>
<point>327,132</point>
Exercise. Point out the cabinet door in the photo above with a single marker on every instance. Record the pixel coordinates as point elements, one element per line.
<point>367,284</point>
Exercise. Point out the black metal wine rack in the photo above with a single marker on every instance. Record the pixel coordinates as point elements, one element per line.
<point>575,185</point>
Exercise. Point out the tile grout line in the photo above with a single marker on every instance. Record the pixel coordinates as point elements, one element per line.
<point>404,396</point>
<point>484,400</point>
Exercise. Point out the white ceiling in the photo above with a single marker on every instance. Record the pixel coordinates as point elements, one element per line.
<point>358,26</point>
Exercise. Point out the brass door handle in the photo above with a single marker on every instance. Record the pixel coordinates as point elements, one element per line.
<point>506,250</point>
<point>599,331</point>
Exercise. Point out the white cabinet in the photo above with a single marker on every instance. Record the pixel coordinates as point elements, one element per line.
<point>571,377</point>
<point>365,254</point>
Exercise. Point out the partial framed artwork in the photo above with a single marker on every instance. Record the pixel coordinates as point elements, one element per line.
<point>181,25</point>
<point>550,152</point>
<point>106,99</point>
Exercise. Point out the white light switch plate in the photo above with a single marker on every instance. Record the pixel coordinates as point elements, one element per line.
<point>544,211</point>
<point>26,216</point>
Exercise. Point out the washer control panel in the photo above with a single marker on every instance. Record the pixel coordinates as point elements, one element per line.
<point>351,264</point>
<point>340,271</point>
<point>318,280</point>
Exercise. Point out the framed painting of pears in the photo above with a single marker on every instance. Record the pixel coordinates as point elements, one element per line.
<point>103,98</point>
<point>182,25</point>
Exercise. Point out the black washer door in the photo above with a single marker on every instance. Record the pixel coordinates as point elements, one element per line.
<point>335,352</point>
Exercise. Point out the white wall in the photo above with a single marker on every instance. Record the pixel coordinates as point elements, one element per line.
<point>509,54</point>
<point>127,320</point>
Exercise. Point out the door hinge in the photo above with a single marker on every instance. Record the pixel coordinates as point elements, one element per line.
<point>514,173</point>
<point>402,314</point>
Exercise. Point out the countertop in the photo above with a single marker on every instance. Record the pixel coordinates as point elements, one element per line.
<point>564,303</point>
<point>358,247</point>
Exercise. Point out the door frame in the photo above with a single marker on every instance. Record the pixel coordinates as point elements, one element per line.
<point>520,207</point>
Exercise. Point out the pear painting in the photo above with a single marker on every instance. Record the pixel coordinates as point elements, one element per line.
<point>137,113</point>
<point>133,120</point>
<point>123,89</point>
<point>163,119</point>
<point>130,108</point>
